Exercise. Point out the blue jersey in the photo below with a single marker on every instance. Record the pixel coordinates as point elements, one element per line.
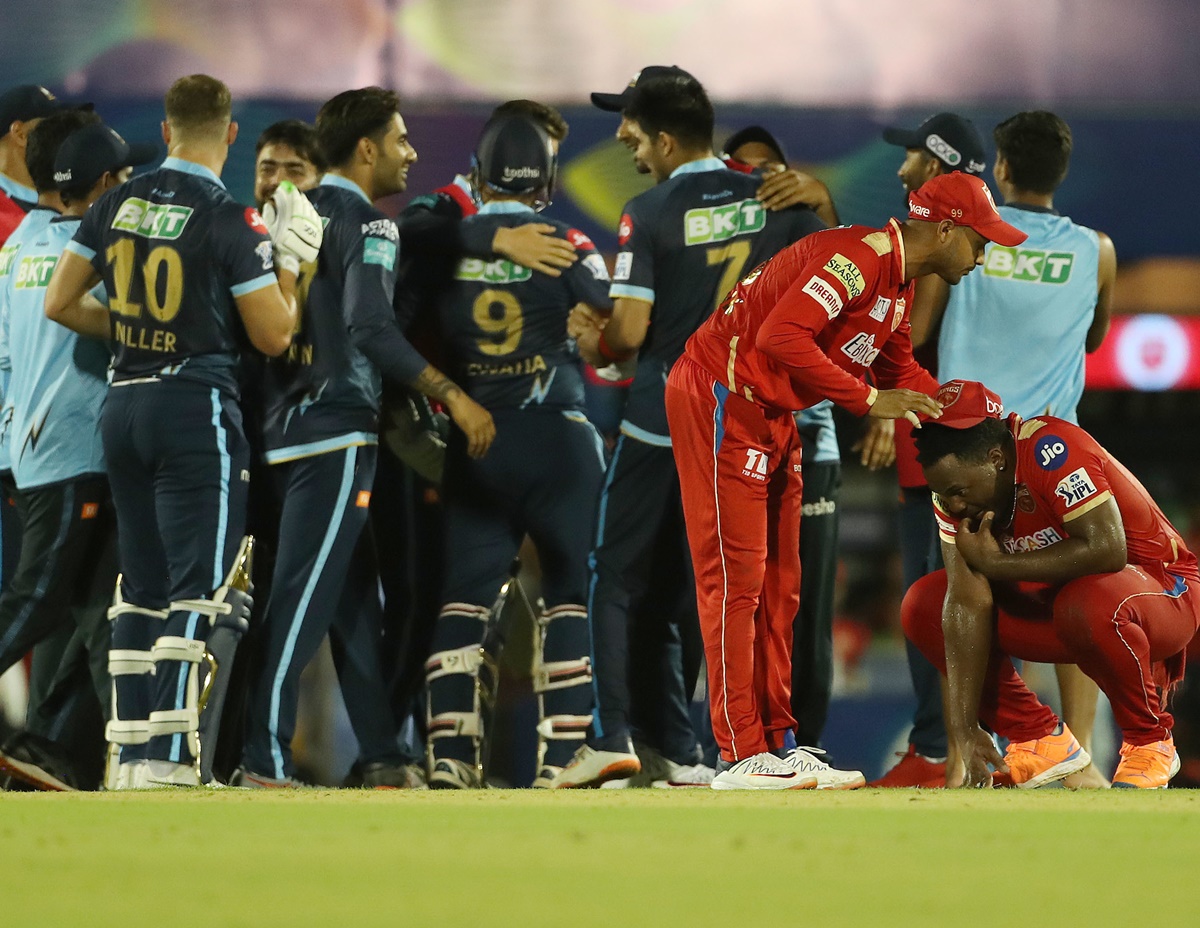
<point>1019,324</point>
<point>683,245</point>
<point>504,326</point>
<point>323,394</point>
<point>58,378</point>
<point>818,433</point>
<point>174,249</point>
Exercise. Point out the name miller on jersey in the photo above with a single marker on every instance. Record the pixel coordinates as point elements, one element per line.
<point>136,336</point>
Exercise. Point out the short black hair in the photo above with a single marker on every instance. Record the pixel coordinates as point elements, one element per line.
<point>935,442</point>
<point>353,115</point>
<point>45,140</point>
<point>675,105</point>
<point>1037,147</point>
<point>544,114</point>
<point>297,135</point>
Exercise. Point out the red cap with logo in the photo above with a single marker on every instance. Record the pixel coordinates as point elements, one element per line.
<point>966,403</point>
<point>965,200</point>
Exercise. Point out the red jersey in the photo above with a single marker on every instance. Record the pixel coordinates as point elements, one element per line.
<point>11,214</point>
<point>808,324</point>
<point>1063,473</point>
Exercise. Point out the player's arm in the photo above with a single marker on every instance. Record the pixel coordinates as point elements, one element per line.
<point>620,337</point>
<point>930,297</point>
<point>1096,545</point>
<point>269,313</point>
<point>1106,278</point>
<point>632,294</point>
<point>68,301</point>
<point>968,615</point>
<point>787,187</point>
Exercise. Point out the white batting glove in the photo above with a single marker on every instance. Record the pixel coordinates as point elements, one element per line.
<point>294,225</point>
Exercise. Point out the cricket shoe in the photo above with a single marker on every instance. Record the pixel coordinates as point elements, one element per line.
<point>166,774</point>
<point>385,775</point>
<point>761,771</point>
<point>914,770</point>
<point>1045,760</point>
<point>451,773</point>
<point>685,776</point>
<point>809,762</point>
<point>247,779</point>
<point>1147,766</point>
<point>21,759</point>
<point>660,772</point>
<point>545,777</point>
<point>589,768</point>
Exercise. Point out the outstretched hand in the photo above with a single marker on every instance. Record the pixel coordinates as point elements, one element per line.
<point>904,404</point>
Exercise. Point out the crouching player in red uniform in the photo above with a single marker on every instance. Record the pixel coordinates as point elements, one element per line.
<point>1054,552</point>
<point>804,327</point>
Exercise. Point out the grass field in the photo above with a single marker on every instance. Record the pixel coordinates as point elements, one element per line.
<point>608,858</point>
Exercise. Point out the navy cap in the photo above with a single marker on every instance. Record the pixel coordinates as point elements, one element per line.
<point>615,102</point>
<point>950,138</point>
<point>514,155</point>
<point>754,134</point>
<point>89,153</point>
<point>30,101</point>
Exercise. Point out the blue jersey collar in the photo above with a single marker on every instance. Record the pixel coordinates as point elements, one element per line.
<point>1030,208</point>
<point>336,180</point>
<point>698,166</point>
<point>504,206</point>
<point>190,167</point>
<point>17,191</point>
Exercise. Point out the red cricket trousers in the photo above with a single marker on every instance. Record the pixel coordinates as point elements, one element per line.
<point>1126,630</point>
<point>739,474</point>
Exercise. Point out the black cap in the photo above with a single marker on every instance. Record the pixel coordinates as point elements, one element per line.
<point>89,153</point>
<point>950,138</point>
<point>754,134</point>
<point>514,155</point>
<point>615,102</point>
<point>30,101</point>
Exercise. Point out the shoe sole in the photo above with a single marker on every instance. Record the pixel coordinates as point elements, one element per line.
<point>618,770</point>
<point>809,783</point>
<point>1058,771</point>
<point>33,775</point>
<point>850,784</point>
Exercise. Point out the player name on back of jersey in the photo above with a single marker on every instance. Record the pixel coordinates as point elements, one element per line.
<point>707,224</point>
<point>519,367</point>
<point>142,338</point>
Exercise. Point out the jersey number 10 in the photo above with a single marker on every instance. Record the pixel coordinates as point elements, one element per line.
<point>162,260</point>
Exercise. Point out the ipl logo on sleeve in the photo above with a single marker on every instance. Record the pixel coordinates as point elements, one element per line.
<point>1075,487</point>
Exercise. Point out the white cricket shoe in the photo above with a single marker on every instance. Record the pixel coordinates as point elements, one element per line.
<point>451,773</point>
<point>809,763</point>
<point>762,771</point>
<point>132,774</point>
<point>589,768</point>
<point>164,774</point>
<point>683,776</point>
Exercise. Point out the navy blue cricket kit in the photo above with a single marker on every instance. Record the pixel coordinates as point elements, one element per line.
<point>504,328</point>
<point>321,436</point>
<point>684,244</point>
<point>174,250</point>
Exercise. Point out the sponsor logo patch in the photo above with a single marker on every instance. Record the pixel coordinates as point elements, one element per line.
<point>625,229</point>
<point>89,511</point>
<point>152,220</point>
<point>34,273</point>
<point>624,266</point>
<point>579,239</point>
<point>380,228</point>
<point>943,149</point>
<point>596,265</point>
<point>1028,264</point>
<point>500,271</point>
<point>265,252</point>
<point>1050,452</point>
<point>1043,538</point>
<point>861,349</point>
<point>898,314</point>
<point>255,221</point>
<point>848,273</point>
<point>880,310</point>
<point>756,464</point>
<point>1075,487</point>
<point>363,500</point>
<point>379,251</point>
<point>720,223</point>
<point>824,294</point>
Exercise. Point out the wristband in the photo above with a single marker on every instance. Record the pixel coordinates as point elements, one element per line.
<point>606,352</point>
<point>287,262</point>
<point>872,396</point>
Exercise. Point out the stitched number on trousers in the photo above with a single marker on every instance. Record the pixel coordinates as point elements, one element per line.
<point>734,256</point>
<point>162,281</point>
<point>498,314</point>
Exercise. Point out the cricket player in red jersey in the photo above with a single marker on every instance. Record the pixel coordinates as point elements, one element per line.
<point>804,327</point>
<point>1054,553</point>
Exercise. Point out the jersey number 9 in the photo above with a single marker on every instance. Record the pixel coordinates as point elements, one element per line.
<point>498,314</point>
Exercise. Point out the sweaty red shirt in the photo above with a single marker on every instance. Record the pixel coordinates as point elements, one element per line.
<point>11,214</point>
<point>808,324</point>
<point>1063,473</point>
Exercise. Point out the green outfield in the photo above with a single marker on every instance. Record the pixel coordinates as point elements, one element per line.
<point>607,858</point>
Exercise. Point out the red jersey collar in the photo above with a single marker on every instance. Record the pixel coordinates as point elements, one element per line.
<point>893,230</point>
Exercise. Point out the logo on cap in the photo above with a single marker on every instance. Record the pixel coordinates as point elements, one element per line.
<point>511,174</point>
<point>61,177</point>
<point>943,149</point>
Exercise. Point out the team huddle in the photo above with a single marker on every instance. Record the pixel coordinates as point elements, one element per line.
<point>209,407</point>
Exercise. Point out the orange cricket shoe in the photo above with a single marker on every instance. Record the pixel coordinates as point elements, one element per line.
<point>1146,766</point>
<point>1036,763</point>
<point>913,770</point>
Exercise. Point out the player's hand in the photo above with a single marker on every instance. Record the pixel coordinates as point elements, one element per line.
<point>904,404</point>
<point>788,187</point>
<point>294,225</point>
<point>536,246</point>
<point>588,341</point>
<point>475,422</point>
<point>877,447</point>
<point>980,758</point>
<point>976,543</point>
<point>583,319</point>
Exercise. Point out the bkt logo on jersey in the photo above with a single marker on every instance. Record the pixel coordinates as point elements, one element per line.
<point>33,273</point>
<point>756,464</point>
<point>861,349</point>
<point>718,223</point>
<point>6,258</point>
<point>501,271</point>
<point>152,220</point>
<point>1028,264</point>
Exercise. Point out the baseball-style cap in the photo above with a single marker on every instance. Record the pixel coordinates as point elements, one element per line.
<point>514,155</point>
<point>754,134</point>
<point>88,153</point>
<point>966,201</point>
<point>950,138</point>
<point>966,403</point>
<point>615,102</point>
<point>30,101</point>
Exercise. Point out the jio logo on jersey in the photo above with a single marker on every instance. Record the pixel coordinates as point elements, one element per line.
<point>1051,452</point>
